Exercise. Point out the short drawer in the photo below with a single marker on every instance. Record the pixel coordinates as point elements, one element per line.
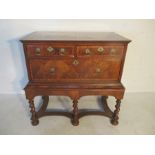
<point>38,50</point>
<point>100,50</point>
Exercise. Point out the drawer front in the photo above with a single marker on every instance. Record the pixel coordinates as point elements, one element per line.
<point>50,50</point>
<point>99,68</point>
<point>50,70</point>
<point>99,51</point>
<point>75,69</point>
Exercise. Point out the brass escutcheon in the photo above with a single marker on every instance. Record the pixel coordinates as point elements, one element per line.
<point>113,51</point>
<point>75,62</point>
<point>52,70</point>
<point>87,51</point>
<point>98,70</point>
<point>100,50</point>
<point>50,49</point>
<point>37,51</point>
<point>62,51</point>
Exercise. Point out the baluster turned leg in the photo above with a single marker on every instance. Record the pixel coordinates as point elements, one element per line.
<point>34,117</point>
<point>75,120</point>
<point>115,117</point>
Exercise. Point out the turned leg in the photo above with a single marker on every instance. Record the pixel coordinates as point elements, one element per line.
<point>75,120</point>
<point>34,118</point>
<point>115,117</point>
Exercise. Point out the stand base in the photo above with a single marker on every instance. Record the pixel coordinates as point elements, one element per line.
<point>106,111</point>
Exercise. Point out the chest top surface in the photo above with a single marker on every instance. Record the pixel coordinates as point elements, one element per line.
<point>74,36</point>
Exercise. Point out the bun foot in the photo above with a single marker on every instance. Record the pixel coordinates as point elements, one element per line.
<point>114,122</point>
<point>75,123</point>
<point>34,123</point>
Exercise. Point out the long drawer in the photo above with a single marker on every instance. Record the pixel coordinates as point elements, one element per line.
<point>75,69</point>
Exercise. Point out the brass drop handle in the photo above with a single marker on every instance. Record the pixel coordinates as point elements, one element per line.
<point>98,70</point>
<point>113,51</point>
<point>100,50</point>
<point>75,62</point>
<point>87,51</point>
<point>37,51</point>
<point>52,70</point>
<point>62,51</point>
<point>50,49</point>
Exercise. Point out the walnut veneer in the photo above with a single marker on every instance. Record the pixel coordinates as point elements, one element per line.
<point>74,64</point>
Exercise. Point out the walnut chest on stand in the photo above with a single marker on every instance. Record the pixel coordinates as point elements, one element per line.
<point>74,64</point>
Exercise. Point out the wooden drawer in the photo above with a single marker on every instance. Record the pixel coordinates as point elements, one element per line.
<point>75,69</point>
<point>99,68</point>
<point>38,50</point>
<point>49,70</point>
<point>100,51</point>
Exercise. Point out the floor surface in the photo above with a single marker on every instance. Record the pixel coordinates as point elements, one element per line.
<point>137,116</point>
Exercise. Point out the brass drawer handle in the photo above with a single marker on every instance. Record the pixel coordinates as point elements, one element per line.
<point>87,51</point>
<point>98,70</point>
<point>52,70</point>
<point>100,50</point>
<point>37,51</point>
<point>113,51</point>
<point>50,49</point>
<point>62,51</point>
<point>75,62</point>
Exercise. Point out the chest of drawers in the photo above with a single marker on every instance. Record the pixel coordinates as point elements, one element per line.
<point>74,64</point>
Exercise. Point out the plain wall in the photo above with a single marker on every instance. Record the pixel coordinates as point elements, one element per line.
<point>139,69</point>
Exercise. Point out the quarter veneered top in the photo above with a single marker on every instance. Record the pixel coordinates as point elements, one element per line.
<point>74,36</point>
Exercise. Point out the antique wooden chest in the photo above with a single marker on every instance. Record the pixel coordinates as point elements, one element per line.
<point>74,64</point>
